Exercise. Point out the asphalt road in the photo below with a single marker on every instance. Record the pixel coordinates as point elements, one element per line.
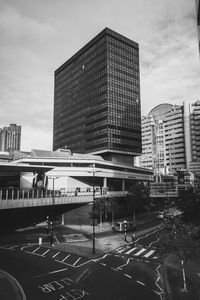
<point>46,274</point>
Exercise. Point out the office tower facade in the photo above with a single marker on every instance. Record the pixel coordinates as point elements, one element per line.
<point>171,138</point>
<point>10,138</point>
<point>97,98</point>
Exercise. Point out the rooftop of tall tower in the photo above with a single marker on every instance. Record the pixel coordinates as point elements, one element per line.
<point>105,31</point>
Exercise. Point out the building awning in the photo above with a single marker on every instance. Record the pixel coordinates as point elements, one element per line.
<point>11,168</point>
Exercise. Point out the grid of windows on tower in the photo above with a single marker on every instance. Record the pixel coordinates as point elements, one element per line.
<point>97,98</point>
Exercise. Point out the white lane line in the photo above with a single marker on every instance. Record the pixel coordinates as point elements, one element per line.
<point>153,242</point>
<point>128,276</point>
<point>66,257</point>
<point>149,253</point>
<point>158,278</point>
<point>146,235</point>
<point>46,252</point>
<point>59,261</point>
<point>140,252</point>
<point>76,261</point>
<point>13,247</point>
<point>22,248</point>
<point>131,250</point>
<point>53,272</point>
<point>56,254</point>
<point>82,274</point>
<point>35,250</point>
<point>140,282</point>
<point>6,248</point>
<point>120,267</point>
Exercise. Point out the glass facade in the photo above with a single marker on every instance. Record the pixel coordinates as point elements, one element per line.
<point>97,98</point>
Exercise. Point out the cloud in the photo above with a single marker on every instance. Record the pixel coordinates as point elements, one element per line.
<point>36,37</point>
<point>34,139</point>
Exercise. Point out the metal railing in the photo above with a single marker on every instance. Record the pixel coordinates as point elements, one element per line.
<point>18,198</point>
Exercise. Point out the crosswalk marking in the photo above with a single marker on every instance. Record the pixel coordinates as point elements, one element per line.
<point>149,253</point>
<point>66,257</point>
<point>140,252</point>
<point>35,250</point>
<point>46,252</point>
<point>131,250</point>
<point>136,251</point>
<point>76,261</point>
<point>56,254</point>
<point>120,251</point>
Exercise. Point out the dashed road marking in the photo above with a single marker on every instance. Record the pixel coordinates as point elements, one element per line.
<point>128,276</point>
<point>142,283</point>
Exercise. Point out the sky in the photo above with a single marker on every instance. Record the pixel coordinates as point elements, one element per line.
<point>36,37</point>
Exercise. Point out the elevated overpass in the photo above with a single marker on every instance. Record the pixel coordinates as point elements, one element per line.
<point>23,198</point>
<point>22,207</point>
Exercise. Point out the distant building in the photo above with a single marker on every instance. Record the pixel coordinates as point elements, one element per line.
<point>171,138</point>
<point>97,99</point>
<point>10,138</point>
<point>4,156</point>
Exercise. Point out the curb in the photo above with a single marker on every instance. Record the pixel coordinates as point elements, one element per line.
<point>19,292</point>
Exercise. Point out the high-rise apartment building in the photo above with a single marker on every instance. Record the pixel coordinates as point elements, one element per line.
<point>171,138</point>
<point>198,20</point>
<point>10,138</point>
<point>97,98</point>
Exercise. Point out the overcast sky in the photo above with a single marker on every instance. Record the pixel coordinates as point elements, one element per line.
<point>37,36</point>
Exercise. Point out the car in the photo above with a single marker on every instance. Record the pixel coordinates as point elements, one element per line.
<point>121,226</point>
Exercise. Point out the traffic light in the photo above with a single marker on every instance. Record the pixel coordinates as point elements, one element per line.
<point>47,225</point>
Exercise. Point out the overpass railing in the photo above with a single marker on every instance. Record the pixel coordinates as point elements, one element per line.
<point>19,198</point>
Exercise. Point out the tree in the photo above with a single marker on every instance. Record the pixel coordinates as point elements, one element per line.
<point>189,203</point>
<point>137,199</point>
<point>178,238</point>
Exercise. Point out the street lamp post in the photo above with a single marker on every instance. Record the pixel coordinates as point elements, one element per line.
<point>93,212</point>
<point>52,212</point>
<point>125,223</point>
<point>93,207</point>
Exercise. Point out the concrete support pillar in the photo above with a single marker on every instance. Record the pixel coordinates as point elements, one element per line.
<point>105,182</point>
<point>63,219</point>
<point>123,185</point>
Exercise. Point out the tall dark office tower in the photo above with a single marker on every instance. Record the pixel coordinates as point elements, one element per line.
<point>97,98</point>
